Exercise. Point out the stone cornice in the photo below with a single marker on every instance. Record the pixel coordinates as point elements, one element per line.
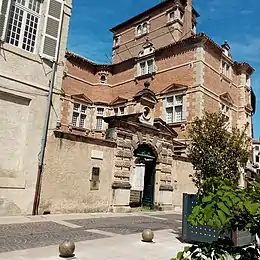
<point>121,185</point>
<point>83,138</point>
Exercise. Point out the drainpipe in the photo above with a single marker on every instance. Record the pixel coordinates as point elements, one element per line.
<point>45,128</point>
<point>44,141</point>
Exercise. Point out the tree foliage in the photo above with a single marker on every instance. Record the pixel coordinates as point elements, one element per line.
<point>216,154</point>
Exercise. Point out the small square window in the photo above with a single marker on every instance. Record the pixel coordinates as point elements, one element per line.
<point>169,101</point>
<point>122,110</point>
<point>83,109</point>
<point>76,107</point>
<point>116,111</point>
<point>257,148</point>
<point>100,111</point>
<point>94,182</point>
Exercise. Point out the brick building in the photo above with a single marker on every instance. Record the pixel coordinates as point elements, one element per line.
<point>33,37</point>
<point>122,129</point>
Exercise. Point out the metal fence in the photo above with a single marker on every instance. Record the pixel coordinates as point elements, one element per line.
<point>205,233</point>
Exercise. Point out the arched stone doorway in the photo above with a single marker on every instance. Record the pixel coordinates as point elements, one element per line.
<point>143,178</point>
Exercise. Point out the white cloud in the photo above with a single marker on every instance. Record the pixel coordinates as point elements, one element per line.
<point>246,12</point>
<point>247,48</point>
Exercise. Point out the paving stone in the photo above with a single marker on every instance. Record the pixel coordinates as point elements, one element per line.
<point>40,234</point>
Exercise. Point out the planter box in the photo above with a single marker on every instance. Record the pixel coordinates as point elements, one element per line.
<point>204,233</point>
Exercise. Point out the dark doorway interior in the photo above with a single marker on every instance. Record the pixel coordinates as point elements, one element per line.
<point>145,197</point>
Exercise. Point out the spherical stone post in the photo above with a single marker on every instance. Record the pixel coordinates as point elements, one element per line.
<point>67,249</point>
<point>147,235</point>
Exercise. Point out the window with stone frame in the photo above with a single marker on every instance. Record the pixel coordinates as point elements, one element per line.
<point>142,28</point>
<point>226,111</point>
<point>177,14</point>
<point>226,69</point>
<point>23,24</point>
<point>175,108</point>
<point>99,118</point>
<point>119,111</point>
<point>146,67</point>
<point>116,41</point>
<point>79,115</point>
<point>94,182</point>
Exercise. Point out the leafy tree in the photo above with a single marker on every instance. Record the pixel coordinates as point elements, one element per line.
<point>216,154</point>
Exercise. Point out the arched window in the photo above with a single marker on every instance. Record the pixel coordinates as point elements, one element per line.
<point>139,29</point>
<point>145,28</point>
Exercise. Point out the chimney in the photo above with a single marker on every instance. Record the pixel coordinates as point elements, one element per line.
<point>187,30</point>
<point>226,48</point>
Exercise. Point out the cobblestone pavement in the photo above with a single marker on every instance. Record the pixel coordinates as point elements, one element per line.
<point>31,235</point>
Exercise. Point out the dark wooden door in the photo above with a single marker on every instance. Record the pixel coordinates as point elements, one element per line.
<point>149,179</point>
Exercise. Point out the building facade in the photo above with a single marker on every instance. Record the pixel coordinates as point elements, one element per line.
<point>121,137</point>
<point>33,37</point>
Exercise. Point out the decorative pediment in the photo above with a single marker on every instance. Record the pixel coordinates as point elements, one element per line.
<point>173,88</point>
<point>146,95</point>
<point>82,98</point>
<point>225,97</point>
<point>100,103</point>
<point>249,108</point>
<point>118,101</point>
<point>162,126</point>
<point>147,49</point>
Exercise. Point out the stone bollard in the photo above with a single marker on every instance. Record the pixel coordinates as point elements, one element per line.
<point>67,249</point>
<point>147,235</point>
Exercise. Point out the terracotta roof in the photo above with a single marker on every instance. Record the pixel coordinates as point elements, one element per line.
<point>70,54</point>
<point>190,40</point>
<point>146,12</point>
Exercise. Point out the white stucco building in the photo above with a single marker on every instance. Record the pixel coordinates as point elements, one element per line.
<point>33,37</point>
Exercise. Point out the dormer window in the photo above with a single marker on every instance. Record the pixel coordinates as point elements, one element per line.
<point>142,29</point>
<point>175,15</point>
<point>116,41</point>
<point>103,77</point>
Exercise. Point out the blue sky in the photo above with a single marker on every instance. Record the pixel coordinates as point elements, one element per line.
<point>236,21</point>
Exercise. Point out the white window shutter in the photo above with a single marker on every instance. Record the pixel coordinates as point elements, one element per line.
<point>4,14</point>
<point>184,108</point>
<point>52,30</point>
